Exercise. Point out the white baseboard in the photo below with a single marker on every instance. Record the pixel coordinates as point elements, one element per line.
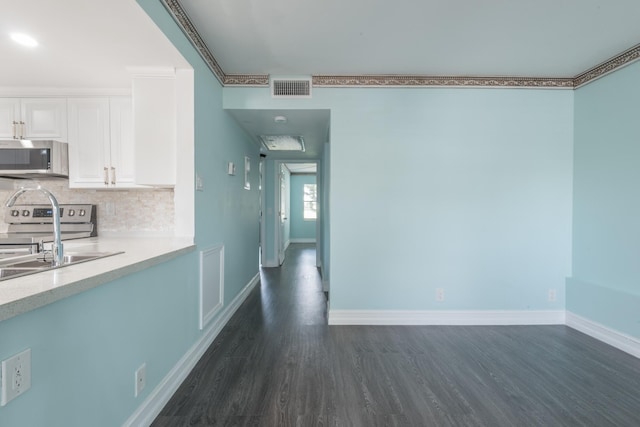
<point>446,317</point>
<point>158,398</point>
<point>303,240</point>
<point>616,339</point>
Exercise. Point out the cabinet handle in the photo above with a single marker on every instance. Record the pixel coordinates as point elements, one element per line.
<point>113,175</point>
<point>106,176</point>
<point>22,125</point>
<point>13,127</point>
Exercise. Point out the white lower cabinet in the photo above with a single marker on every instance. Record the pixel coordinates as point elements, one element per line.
<point>101,148</point>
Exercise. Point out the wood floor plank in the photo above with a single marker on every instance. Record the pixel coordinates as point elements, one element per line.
<point>277,363</point>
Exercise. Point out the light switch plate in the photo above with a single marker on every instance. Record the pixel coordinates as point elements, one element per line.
<point>16,376</point>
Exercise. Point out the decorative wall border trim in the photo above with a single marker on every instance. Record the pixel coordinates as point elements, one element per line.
<point>446,317</point>
<point>180,16</point>
<point>182,19</point>
<point>609,66</point>
<point>159,397</point>
<point>246,80</point>
<point>443,81</point>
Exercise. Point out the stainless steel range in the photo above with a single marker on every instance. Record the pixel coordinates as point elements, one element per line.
<point>32,225</point>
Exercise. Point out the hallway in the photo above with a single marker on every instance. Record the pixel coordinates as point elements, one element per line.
<point>277,363</point>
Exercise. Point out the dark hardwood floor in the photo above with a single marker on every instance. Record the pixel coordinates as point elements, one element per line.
<point>277,363</point>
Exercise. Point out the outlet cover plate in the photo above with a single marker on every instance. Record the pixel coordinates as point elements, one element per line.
<point>16,376</point>
<point>141,379</point>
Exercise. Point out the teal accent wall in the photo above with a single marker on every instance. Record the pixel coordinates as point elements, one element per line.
<point>324,190</point>
<point>465,189</point>
<point>300,228</point>
<point>86,348</point>
<point>605,286</point>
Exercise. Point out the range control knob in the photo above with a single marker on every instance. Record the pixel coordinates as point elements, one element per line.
<point>26,213</point>
<point>15,213</point>
<point>71,212</point>
<point>82,212</point>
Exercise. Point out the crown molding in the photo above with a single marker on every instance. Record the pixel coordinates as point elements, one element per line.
<point>182,19</point>
<point>246,80</point>
<point>446,81</point>
<point>609,66</point>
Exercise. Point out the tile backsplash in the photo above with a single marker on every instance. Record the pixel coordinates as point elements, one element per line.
<point>130,211</point>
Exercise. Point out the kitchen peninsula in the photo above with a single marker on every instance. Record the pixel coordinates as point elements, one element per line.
<point>22,294</point>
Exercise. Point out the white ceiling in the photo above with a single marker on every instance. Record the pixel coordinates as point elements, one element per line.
<point>312,125</point>
<point>83,44</point>
<point>302,167</point>
<point>90,43</point>
<point>535,38</point>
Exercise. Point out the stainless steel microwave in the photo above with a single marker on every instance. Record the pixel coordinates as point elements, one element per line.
<point>22,158</point>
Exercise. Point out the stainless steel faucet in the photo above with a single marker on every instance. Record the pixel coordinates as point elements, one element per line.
<point>57,249</point>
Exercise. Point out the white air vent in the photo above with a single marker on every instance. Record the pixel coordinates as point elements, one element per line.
<point>291,88</point>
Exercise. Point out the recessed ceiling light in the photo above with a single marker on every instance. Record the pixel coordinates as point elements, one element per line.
<point>282,142</point>
<point>280,119</point>
<point>24,39</point>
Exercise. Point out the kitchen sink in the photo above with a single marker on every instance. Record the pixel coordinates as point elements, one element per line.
<point>37,263</point>
<point>8,272</point>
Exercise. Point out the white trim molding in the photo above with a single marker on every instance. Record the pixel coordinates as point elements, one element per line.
<point>158,398</point>
<point>211,283</point>
<point>614,338</point>
<point>302,240</point>
<point>446,317</point>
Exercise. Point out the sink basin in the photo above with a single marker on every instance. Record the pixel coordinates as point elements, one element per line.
<point>37,263</point>
<point>6,273</point>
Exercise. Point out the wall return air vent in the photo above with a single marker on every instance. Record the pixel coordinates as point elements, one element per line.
<point>291,88</point>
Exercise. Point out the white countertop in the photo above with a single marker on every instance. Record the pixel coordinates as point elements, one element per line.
<point>26,293</point>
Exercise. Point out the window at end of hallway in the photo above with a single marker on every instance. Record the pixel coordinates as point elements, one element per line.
<point>310,200</point>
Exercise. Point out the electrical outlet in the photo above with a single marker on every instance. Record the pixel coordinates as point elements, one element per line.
<point>552,295</point>
<point>141,379</point>
<point>439,294</point>
<point>16,376</point>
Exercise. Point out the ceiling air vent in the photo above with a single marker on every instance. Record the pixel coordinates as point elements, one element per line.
<point>291,88</point>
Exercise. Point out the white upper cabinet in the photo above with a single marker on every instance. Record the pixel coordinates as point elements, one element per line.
<point>33,118</point>
<point>155,118</point>
<point>122,148</point>
<point>89,142</point>
<point>101,143</point>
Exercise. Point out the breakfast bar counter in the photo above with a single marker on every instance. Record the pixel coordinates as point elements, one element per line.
<point>22,294</point>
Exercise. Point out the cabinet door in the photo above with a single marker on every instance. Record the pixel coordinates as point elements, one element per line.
<point>9,113</point>
<point>155,130</point>
<point>44,118</point>
<point>122,169</point>
<point>89,159</point>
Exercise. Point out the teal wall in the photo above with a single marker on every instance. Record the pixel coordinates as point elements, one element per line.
<point>465,189</point>
<point>605,286</point>
<point>324,190</point>
<point>86,348</point>
<point>300,229</point>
